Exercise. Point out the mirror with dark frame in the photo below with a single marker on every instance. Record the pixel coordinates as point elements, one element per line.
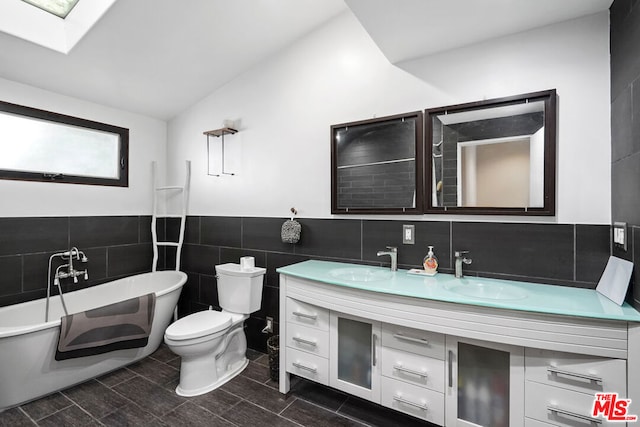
<point>492,157</point>
<point>376,165</point>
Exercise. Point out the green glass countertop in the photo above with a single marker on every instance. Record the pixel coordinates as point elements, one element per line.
<point>496,293</point>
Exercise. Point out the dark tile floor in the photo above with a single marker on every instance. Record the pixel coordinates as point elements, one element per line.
<point>143,394</point>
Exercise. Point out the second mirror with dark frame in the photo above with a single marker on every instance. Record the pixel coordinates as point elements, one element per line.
<point>492,157</point>
<point>376,165</point>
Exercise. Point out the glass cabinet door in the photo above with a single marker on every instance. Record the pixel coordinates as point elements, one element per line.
<point>486,383</point>
<point>355,353</point>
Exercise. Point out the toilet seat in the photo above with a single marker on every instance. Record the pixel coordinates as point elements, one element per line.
<point>198,325</point>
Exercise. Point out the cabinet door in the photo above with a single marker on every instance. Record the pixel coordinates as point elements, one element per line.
<point>485,383</point>
<point>354,361</point>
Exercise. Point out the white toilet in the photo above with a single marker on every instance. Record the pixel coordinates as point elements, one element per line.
<point>212,344</point>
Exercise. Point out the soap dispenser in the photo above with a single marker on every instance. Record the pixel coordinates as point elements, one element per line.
<point>430,263</point>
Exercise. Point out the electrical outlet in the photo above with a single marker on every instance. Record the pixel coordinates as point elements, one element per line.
<point>620,235</point>
<point>408,234</point>
<point>269,328</point>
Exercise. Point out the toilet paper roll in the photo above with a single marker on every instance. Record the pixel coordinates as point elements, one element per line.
<point>247,262</point>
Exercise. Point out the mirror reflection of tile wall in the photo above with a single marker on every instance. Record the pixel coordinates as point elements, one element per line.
<point>376,165</point>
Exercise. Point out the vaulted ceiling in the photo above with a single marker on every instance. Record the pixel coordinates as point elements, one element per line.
<point>158,57</point>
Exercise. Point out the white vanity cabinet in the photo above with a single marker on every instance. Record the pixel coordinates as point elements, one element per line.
<point>451,363</point>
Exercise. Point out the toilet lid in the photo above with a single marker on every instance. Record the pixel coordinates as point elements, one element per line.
<point>198,325</point>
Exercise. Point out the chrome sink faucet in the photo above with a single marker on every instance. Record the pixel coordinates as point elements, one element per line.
<point>461,259</point>
<point>392,251</point>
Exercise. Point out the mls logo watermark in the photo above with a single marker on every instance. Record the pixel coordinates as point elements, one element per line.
<point>612,408</point>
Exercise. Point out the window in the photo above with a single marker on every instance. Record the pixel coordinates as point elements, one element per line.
<point>38,145</point>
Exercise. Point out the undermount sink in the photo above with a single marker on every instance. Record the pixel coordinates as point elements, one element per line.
<point>360,274</point>
<point>486,290</point>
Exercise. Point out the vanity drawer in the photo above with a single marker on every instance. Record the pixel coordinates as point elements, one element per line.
<point>528,422</point>
<point>413,400</point>
<point>426,343</point>
<point>308,339</point>
<point>307,365</point>
<point>587,374</point>
<point>307,314</point>
<point>570,408</point>
<point>413,368</point>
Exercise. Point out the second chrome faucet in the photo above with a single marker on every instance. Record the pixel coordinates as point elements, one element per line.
<point>461,259</point>
<point>392,251</point>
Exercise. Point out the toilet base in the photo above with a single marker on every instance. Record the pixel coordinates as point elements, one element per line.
<point>228,376</point>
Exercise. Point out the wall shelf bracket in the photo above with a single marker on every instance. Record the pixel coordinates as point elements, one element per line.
<point>218,133</point>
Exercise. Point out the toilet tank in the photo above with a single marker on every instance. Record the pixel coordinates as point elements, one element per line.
<point>239,290</point>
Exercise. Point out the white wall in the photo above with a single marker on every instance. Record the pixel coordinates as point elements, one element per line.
<point>147,142</point>
<point>337,74</point>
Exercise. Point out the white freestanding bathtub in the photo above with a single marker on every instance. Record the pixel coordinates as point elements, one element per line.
<point>28,344</point>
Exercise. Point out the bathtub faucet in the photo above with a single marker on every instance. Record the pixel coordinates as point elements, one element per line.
<point>70,255</point>
<point>74,252</point>
<point>71,272</point>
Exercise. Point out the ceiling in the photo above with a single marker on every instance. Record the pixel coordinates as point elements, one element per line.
<point>158,57</point>
<point>410,29</point>
<point>155,58</point>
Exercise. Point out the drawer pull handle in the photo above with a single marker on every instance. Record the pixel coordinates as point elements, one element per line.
<point>561,411</point>
<point>306,368</point>
<point>411,339</point>
<point>554,370</point>
<point>305,315</point>
<point>408,402</point>
<point>410,371</point>
<point>304,341</point>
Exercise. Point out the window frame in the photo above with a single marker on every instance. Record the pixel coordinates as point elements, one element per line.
<point>48,116</point>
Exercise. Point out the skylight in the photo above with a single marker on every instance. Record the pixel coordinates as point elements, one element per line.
<point>60,8</point>
<point>26,19</point>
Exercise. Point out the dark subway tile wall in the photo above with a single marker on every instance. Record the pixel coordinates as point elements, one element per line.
<point>257,233</point>
<point>11,278</point>
<point>116,246</point>
<point>564,254</point>
<point>625,176</point>
<point>91,232</point>
<point>592,251</point>
<point>126,260</point>
<point>376,235</point>
<point>218,231</point>
<point>30,235</point>
<point>635,290</point>
<point>329,238</point>
<point>540,251</point>
<point>624,27</point>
